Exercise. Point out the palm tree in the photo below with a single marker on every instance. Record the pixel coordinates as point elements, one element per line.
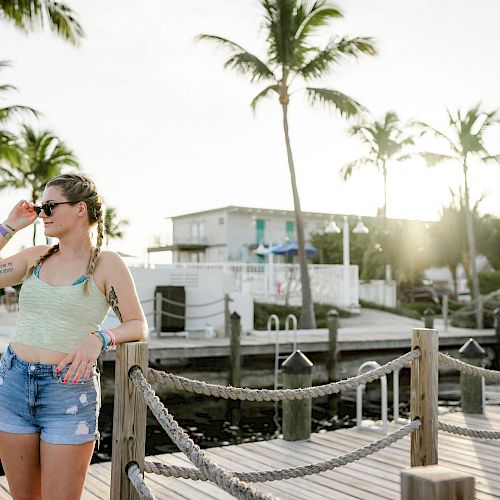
<point>38,158</point>
<point>113,226</point>
<point>386,140</point>
<point>466,141</point>
<point>290,28</point>
<point>30,15</point>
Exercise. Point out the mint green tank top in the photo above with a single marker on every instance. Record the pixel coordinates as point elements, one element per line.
<point>58,318</point>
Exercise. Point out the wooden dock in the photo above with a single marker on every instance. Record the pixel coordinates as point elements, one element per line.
<point>374,477</point>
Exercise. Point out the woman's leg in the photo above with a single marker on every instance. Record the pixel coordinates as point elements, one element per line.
<point>64,469</point>
<point>20,455</point>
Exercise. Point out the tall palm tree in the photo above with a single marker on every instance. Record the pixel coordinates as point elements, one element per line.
<point>39,157</point>
<point>30,15</point>
<point>466,141</point>
<point>114,228</point>
<point>386,140</point>
<point>290,28</point>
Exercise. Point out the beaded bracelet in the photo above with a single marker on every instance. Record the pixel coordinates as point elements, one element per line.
<point>5,232</point>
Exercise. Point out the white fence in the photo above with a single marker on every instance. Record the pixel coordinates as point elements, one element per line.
<point>379,292</point>
<point>280,283</point>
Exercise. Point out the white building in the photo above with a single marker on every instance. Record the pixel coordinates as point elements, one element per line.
<point>231,234</point>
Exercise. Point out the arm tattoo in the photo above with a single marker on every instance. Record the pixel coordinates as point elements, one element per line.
<point>113,302</point>
<point>7,268</point>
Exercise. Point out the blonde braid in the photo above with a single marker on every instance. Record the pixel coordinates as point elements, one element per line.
<point>51,251</point>
<point>97,250</point>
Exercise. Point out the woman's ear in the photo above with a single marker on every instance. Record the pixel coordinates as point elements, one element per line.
<point>82,209</point>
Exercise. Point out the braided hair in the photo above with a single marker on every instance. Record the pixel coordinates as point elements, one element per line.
<point>79,187</point>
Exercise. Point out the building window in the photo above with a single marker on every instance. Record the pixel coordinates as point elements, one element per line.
<point>260,226</point>
<point>221,221</point>
<point>197,231</point>
<point>290,230</point>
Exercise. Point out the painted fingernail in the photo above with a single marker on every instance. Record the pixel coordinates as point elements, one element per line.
<point>65,380</point>
<point>74,381</point>
<point>57,370</point>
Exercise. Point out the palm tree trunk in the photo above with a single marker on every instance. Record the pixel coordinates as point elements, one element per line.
<point>307,319</point>
<point>384,171</point>
<point>472,252</point>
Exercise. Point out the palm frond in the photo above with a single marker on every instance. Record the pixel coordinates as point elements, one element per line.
<point>433,159</point>
<point>63,21</point>
<point>347,170</point>
<point>262,94</point>
<point>240,59</point>
<point>312,16</point>
<point>10,112</point>
<point>346,106</point>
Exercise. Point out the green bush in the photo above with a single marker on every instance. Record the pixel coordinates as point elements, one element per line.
<point>488,282</point>
<point>402,310</point>
<point>262,312</point>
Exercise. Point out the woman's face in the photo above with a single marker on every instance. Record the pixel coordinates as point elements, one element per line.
<point>63,218</point>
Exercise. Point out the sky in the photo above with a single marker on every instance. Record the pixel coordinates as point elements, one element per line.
<point>164,129</point>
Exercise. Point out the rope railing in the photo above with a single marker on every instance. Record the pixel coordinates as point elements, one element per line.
<point>220,476</point>
<point>135,475</point>
<point>245,394</point>
<point>181,316</point>
<point>291,472</point>
<point>182,304</point>
<point>467,431</point>
<point>491,375</point>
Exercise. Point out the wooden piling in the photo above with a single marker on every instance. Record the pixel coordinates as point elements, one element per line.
<point>333,324</point>
<point>424,397</point>
<point>129,419</point>
<point>472,387</point>
<point>297,374</point>
<point>436,483</point>
<point>158,312</point>
<point>429,318</point>
<point>235,361</point>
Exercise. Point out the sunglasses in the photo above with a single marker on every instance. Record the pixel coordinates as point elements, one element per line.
<point>48,207</point>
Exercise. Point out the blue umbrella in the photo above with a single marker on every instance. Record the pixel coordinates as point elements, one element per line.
<point>292,248</point>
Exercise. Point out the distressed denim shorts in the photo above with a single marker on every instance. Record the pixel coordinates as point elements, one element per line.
<point>34,399</point>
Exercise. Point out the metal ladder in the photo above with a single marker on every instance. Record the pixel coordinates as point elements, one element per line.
<point>273,318</point>
<point>395,400</point>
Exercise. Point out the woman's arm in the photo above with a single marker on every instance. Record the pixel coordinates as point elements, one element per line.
<point>123,299</point>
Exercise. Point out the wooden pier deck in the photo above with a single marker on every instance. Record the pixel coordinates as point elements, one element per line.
<point>374,477</point>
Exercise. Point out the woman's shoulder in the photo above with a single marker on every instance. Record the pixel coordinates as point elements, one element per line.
<point>110,262</point>
<point>34,253</point>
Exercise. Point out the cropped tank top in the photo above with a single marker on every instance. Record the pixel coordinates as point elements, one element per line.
<point>58,317</point>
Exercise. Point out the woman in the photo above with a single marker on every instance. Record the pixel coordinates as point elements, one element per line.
<point>49,381</point>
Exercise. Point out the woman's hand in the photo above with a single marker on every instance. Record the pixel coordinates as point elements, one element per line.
<point>82,359</point>
<point>22,215</point>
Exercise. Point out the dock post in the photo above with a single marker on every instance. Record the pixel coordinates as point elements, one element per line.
<point>297,374</point>
<point>436,482</point>
<point>129,419</point>
<point>227,316</point>
<point>235,361</point>
<point>333,324</point>
<point>158,312</point>
<point>472,387</point>
<point>445,308</point>
<point>496,312</point>
<point>429,318</point>
<point>424,397</point>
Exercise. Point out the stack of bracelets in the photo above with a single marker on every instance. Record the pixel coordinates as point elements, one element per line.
<point>100,333</point>
<point>7,231</point>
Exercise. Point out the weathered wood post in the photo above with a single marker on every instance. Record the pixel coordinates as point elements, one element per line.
<point>333,325</point>
<point>297,374</point>
<point>497,324</point>
<point>129,419</point>
<point>158,312</point>
<point>436,483</point>
<point>227,316</point>
<point>235,361</point>
<point>429,318</point>
<point>472,387</point>
<point>445,308</point>
<point>424,397</point>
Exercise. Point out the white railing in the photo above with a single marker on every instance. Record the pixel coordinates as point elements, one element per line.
<point>280,283</point>
<point>379,292</point>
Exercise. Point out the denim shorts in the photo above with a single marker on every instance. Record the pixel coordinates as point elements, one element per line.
<point>34,399</point>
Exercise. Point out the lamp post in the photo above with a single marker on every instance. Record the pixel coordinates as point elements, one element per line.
<point>360,228</point>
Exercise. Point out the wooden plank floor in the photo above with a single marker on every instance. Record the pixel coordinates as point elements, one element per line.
<point>372,478</point>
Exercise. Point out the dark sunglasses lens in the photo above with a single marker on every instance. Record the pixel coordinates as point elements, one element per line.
<point>38,210</point>
<point>47,209</point>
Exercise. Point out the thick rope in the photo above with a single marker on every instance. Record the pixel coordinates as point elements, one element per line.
<point>180,316</point>
<point>477,371</point>
<point>220,476</point>
<point>462,431</point>
<point>245,394</point>
<point>135,475</point>
<point>292,472</point>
